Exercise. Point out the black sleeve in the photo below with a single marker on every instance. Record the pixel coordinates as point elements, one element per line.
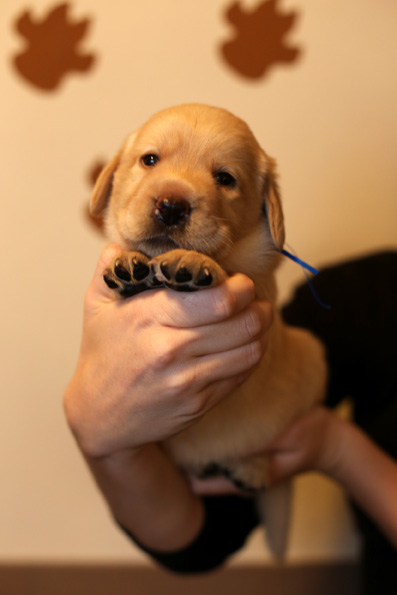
<point>359,331</point>
<point>228,522</point>
<point>359,334</point>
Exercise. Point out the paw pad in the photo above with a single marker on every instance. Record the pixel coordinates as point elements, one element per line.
<point>129,274</point>
<point>187,270</point>
<point>141,271</point>
<point>121,272</point>
<point>180,270</point>
<point>183,275</point>
<point>205,278</point>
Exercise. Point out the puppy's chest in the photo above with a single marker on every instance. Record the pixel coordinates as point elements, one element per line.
<point>250,416</point>
<point>289,380</point>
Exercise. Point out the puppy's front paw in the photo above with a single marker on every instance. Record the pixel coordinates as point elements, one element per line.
<point>187,270</point>
<point>129,274</point>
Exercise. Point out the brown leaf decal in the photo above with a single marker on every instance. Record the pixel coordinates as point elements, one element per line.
<point>51,49</point>
<point>259,42</point>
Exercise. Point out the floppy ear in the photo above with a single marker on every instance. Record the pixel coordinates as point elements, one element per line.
<point>272,204</point>
<point>103,186</point>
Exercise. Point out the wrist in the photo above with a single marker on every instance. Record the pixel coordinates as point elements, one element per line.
<point>135,459</point>
<point>335,439</point>
<point>80,407</point>
<point>141,483</point>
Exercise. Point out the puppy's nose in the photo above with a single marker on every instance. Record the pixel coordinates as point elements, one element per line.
<point>171,211</point>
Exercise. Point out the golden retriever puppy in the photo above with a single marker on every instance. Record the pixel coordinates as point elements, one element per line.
<point>192,198</point>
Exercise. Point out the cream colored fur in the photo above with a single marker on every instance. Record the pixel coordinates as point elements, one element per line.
<point>239,227</point>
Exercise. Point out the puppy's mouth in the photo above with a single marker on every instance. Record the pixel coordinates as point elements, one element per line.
<point>158,245</point>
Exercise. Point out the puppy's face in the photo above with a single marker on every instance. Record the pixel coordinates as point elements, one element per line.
<point>192,177</point>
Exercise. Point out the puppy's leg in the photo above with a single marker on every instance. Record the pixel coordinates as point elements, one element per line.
<point>274,503</point>
<point>249,474</point>
<point>130,273</point>
<point>187,270</point>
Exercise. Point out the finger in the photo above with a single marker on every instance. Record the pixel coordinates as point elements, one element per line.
<point>284,465</point>
<point>297,432</point>
<point>220,366</point>
<point>247,326</point>
<point>188,310</point>
<point>214,486</point>
<point>98,290</point>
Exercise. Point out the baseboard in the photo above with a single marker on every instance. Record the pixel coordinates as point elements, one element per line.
<point>41,579</point>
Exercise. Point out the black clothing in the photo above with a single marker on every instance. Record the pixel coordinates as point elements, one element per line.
<point>228,522</point>
<point>359,333</point>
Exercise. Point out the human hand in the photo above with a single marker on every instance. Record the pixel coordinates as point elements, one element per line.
<point>151,365</point>
<point>310,443</point>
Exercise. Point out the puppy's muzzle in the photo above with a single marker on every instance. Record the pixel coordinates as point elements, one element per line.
<point>171,211</point>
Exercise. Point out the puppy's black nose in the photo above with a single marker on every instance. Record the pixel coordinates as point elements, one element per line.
<point>171,211</point>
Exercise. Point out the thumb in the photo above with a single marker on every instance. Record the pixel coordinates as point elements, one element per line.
<point>283,465</point>
<point>98,290</point>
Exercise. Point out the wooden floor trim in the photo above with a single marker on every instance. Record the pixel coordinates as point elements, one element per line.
<point>41,579</point>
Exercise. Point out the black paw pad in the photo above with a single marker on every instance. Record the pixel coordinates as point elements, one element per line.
<point>129,290</point>
<point>183,275</point>
<point>122,272</point>
<point>141,271</point>
<point>110,283</point>
<point>204,279</point>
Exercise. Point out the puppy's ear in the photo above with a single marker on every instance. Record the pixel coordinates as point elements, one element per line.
<point>103,186</point>
<point>272,203</point>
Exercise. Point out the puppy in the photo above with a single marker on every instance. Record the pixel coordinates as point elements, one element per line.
<point>192,198</point>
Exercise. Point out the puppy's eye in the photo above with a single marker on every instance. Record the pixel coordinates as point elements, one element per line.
<point>150,159</point>
<point>223,178</point>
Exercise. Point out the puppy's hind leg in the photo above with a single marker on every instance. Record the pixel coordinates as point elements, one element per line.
<point>275,504</point>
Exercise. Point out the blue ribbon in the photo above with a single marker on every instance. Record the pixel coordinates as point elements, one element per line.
<point>303,264</point>
<point>312,270</point>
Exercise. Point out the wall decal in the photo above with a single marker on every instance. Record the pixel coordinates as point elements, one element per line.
<point>258,43</point>
<point>52,48</point>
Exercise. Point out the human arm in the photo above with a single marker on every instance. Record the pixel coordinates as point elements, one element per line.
<point>321,441</point>
<point>149,367</point>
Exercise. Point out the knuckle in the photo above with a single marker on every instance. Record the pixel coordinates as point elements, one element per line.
<point>254,352</point>
<point>240,291</point>
<point>224,304</point>
<point>185,387</point>
<point>196,406</point>
<point>184,383</point>
<point>253,322</point>
<point>164,351</point>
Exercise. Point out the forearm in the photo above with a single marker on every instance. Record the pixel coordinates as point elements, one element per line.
<point>149,497</point>
<point>370,477</point>
<point>149,367</point>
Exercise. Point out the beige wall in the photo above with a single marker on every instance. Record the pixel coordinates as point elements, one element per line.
<point>330,120</point>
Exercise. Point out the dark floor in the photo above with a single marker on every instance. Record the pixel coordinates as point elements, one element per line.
<point>327,579</point>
